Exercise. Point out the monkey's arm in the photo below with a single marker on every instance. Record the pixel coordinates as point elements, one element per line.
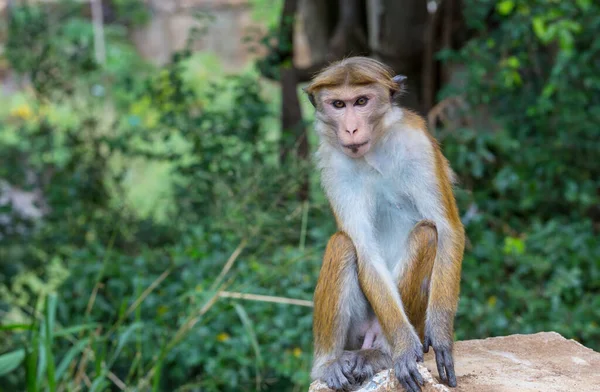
<point>438,204</point>
<point>354,209</point>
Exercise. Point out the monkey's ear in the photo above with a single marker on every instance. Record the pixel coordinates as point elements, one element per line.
<point>400,81</point>
<point>311,97</point>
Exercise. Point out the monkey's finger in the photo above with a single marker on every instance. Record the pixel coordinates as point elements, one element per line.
<point>426,343</point>
<point>350,378</point>
<point>450,369</point>
<point>360,362</point>
<point>347,367</point>
<point>405,385</point>
<point>409,384</point>
<point>404,376</point>
<point>413,384</point>
<point>336,381</point>
<point>417,376</point>
<point>439,361</point>
<point>420,357</point>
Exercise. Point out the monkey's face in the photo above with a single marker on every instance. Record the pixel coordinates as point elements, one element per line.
<point>351,115</point>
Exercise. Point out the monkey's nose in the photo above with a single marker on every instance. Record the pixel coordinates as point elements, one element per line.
<point>352,132</point>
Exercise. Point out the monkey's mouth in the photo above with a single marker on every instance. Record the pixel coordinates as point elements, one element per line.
<point>354,147</point>
<point>357,150</point>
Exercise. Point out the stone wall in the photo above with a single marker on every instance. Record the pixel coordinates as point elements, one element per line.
<point>172,20</point>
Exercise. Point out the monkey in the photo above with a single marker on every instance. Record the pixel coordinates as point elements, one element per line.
<point>389,284</point>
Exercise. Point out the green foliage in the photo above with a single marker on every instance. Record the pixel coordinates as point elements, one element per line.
<point>52,52</point>
<point>135,298</point>
<point>267,11</point>
<point>531,178</point>
<point>131,12</point>
<point>543,87</point>
<point>548,281</point>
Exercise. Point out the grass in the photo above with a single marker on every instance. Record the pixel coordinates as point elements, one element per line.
<point>94,348</point>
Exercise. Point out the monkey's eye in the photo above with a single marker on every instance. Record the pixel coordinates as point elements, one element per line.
<point>338,104</point>
<point>362,101</point>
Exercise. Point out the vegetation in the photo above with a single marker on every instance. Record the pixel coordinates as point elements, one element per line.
<point>164,196</point>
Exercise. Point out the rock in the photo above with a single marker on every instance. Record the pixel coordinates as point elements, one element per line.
<point>542,362</point>
<point>386,381</point>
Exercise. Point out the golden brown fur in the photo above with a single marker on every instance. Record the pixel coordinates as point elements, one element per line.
<point>339,256</point>
<point>353,71</point>
<point>391,318</point>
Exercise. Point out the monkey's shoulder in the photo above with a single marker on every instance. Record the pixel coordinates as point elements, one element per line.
<point>412,120</point>
<point>412,133</point>
<point>410,143</point>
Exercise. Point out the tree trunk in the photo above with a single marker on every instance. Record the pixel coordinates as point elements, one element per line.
<point>349,37</point>
<point>392,31</point>
<point>397,39</point>
<point>292,126</point>
<point>318,19</point>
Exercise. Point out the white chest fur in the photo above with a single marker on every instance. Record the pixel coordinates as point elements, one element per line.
<point>395,214</point>
<point>385,184</point>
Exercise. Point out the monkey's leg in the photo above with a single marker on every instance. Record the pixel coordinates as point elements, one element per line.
<point>416,289</point>
<point>414,282</point>
<point>444,290</point>
<point>339,303</point>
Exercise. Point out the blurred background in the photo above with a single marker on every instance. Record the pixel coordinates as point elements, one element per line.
<point>161,221</point>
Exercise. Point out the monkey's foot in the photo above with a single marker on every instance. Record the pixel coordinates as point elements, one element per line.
<point>338,374</point>
<point>368,363</point>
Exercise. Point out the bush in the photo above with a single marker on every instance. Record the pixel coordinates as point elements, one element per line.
<point>134,298</point>
<point>532,184</point>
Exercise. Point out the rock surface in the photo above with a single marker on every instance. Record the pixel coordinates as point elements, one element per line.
<point>386,382</point>
<point>542,362</point>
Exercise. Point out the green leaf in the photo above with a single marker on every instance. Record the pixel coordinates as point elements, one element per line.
<point>75,329</point>
<point>514,245</point>
<point>50,318</point>
<point>513,62</point>
<point>539,28</point>
<point>42,356</point>
<point>14,327</point>
<point>99,384</point>
<point>124,338</point>
<point>69,356</point>
<point>565,39</point>
<point>10,361</point>
<point>51,301</point>
<point>548,90</point>
<point>157,374</point>
<point>30,371</point>
<point>251,334</point>
<point>505,7</point>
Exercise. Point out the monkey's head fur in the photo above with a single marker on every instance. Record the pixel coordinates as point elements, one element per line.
<point>351,97</point>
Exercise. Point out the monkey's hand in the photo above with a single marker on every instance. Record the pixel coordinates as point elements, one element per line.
<point>441,341</point>
<point>405,365</point>
<point>338,374</point>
